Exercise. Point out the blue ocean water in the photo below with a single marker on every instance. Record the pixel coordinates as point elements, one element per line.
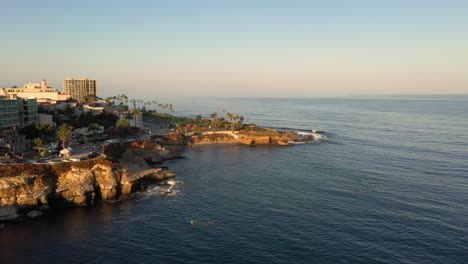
<point>388,184</point>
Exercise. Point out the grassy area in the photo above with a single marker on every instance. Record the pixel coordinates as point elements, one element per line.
<point>259,131</point>
<point>166,119</point>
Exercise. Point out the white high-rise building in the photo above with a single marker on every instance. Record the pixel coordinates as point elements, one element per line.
<point>80,88</point>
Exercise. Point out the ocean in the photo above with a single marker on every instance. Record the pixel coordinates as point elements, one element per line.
<point>386,183</point>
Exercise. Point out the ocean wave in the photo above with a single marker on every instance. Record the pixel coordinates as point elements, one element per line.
<point>316,134</point>
<point>167,188</point>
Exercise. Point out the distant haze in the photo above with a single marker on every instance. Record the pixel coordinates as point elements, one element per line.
<point>253,48</point>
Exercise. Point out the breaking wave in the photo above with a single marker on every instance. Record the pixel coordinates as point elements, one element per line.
<point>165,189</point>
<point>314,133</point>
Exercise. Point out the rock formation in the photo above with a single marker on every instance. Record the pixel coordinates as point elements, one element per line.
<point>28,189</point>
<point>251,138</point>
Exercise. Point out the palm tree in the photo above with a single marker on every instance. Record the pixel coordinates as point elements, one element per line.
<point>64,133</point>
<point>230,116</point>
<point>90,98</point>
<point>39,146</point>
<point>38,143</point>
<point>123,123</point>
<point>213,115</point>
<point>109,101</point>
<point>135,111</point>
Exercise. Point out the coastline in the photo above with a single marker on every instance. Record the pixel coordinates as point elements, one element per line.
<point>30,190</point>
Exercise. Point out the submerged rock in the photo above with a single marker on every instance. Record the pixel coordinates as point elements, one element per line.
<point>9,212</point>
<point>34,214</point>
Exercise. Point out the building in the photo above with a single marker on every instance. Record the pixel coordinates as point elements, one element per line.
<point>28,111</point>
<point>65,152</point>
<point>46,119</point>
<point>80,88</point>
<point>14,142</point>
<point>42,93</point>
<point>61,106</point>
<point>10,114</point>
<point>16,111</point>
<point>134,119</point>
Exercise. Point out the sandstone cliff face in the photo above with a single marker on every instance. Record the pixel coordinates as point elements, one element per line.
<point>38,187</point>
<point>23,187</point>
<point>214,138</point>
<point>138,182</point>
<point>24,192</point>
<point>172,140</point>
<point>76,186</point>
<point>108,180</point>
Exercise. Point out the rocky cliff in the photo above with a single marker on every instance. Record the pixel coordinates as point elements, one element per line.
<point>29,189</point>
<point>251,138</point>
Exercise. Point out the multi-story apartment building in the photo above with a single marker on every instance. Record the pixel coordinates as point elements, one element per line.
<point>16,112</point>
<point>14,142</point>
<point>80,88</point>
<point>10,112</point>
<point>42,93</point>
<point>28,111</point>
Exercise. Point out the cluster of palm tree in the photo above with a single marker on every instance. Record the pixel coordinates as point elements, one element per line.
<point>233,118</point>
<point>137,104</point>
<point>91,98</point>
<point>235,121</point>
<point>64,133</point>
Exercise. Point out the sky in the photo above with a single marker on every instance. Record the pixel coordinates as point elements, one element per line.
<point>243,48</point>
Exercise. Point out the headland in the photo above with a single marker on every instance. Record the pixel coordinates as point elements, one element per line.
<point>122,169</point>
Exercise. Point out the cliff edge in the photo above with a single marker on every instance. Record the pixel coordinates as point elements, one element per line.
<point>30,189</point>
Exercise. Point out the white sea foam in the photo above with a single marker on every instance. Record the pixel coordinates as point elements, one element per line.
<point>169,188</point>
<point>314,133</point>
<point>297,143</point>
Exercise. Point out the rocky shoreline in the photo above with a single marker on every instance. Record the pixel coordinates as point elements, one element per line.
<point>29,190</point>
<point>250,138</point>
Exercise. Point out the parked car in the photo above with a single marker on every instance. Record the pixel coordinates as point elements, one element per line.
<point>93,155</point>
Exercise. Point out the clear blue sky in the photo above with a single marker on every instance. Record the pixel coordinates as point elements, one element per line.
<point>239,48</point>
